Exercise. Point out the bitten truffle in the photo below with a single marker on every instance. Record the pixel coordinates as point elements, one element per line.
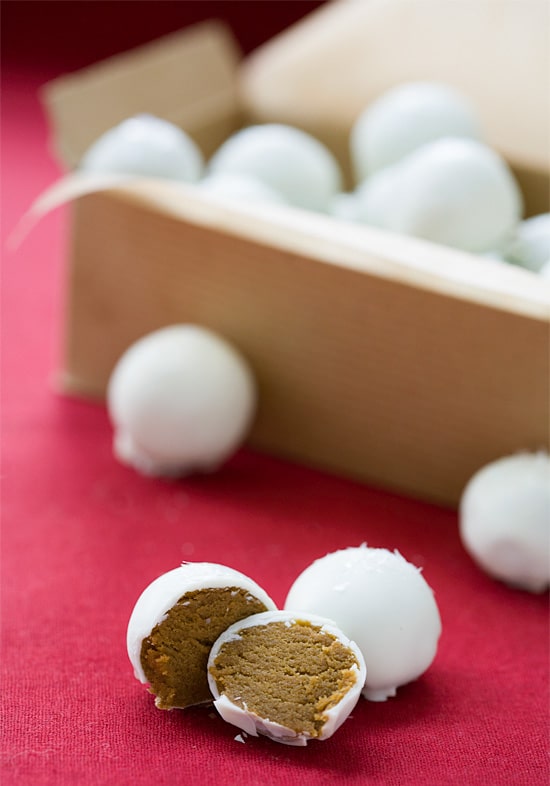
<point>289,676</point>
<point>176,620</point>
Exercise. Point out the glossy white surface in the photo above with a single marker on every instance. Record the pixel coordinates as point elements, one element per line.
<point>181,400</point>
<point>239,188</point>
<point>455,192</point>
<point>380,601</point>
<point>147,146</point>
<point>530,246</point>
<point>505,520</point>
<point>288,160</point>
<point>406,118</point>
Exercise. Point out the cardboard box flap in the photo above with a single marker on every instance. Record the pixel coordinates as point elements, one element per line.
<point>323,71</point>
<point>188,77</point>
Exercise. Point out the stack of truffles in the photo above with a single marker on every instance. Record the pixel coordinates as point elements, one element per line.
<point>358,621</point>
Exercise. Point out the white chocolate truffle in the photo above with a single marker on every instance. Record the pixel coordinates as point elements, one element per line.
<point>530,246</point>
<point>505,520</point>
<point>176,620</point>
<point>344,207</point>
<point>146,146</point>
<point>239,188</point>
<point>289,676</point>
<point>288,160</point>
<point>181,400</point>
<point>406,118</point>
<point>456,192</point>
<point>383,603</point>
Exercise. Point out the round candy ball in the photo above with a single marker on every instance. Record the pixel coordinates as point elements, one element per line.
<point>530,246</point>
<point>456,192</point>
<point>380,601</point>
<point>147,146</point>
<point>344,207</point>
<point>406,118</point>
<point>181,400</point>
<point>239,188</point>
<point>288,160</point>
<point>505,520</point>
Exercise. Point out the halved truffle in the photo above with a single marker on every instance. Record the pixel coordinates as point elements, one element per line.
<point>176,620</point>
<point>291,677</point>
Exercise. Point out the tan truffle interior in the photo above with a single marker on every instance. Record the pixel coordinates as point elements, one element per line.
<point>289,674</point>
<point>174,656</point>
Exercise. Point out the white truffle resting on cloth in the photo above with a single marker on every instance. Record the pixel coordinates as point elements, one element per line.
<point>181,400</point>
<point>505,520</point>
<point>383,603</point>
<point>289,676</point>
<point>176,620</point>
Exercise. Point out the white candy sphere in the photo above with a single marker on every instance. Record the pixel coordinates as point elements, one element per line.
<point>239,188</point>
<point>530,246</point>
<point>505,520</point>
<point>286,159</point>
<point>381,602</point>
<point>344,207</point>
<point>181,400</point>
<point>406,118</point>
<point>146,146</point>
<point>456,192</point>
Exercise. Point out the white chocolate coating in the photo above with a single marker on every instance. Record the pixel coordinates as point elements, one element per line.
<point>157,599</point>
<point>456,192</point>
<point>239,188</point>
<point>344,207</point>
<point>505,520</point>
<point>530,246</point>
<point>383,603</point>
<point>181,400</point>
<point>147,146</point>
<point>288,160</point>
<point>406,118</point>
<point>249,721</point>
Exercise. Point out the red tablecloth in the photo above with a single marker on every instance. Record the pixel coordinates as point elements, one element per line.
<point>82,536</point>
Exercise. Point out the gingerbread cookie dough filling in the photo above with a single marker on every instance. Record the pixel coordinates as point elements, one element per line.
<point>175,622</point>
<point>291,677</point>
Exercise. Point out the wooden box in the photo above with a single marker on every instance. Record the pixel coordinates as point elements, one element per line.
<point>382,357</point>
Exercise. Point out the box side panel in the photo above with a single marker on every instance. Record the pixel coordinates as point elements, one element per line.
<point>370,378</point>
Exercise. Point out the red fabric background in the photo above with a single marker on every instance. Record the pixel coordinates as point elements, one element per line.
<point>82,536</point>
